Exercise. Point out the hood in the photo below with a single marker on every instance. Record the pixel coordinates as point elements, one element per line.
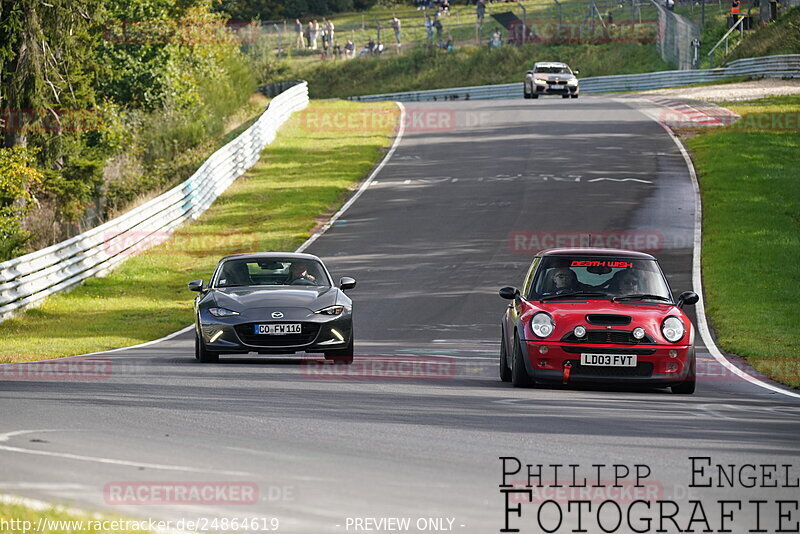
<point>247,298</point>
<point>554,77</point>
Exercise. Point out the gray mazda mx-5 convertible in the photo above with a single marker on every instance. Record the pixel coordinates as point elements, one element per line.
<point>273,303</point>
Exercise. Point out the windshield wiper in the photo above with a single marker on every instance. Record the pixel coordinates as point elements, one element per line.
<point>576,294</point>
<point>640,296</point>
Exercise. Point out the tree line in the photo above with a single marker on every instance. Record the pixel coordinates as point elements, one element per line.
<point>103,102</point>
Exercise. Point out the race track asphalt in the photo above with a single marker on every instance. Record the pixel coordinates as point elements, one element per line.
<point>472,191</point>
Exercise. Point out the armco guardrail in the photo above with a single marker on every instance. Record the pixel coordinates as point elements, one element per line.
<point>786,66</point>
<point>26,280</point>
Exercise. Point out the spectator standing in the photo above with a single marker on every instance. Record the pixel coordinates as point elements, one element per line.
<point>298,30</point>
<point>480,12</point>
<point>330,28</point>
<point>429,28</point>
<point>438,25</point>
<point>396,28</point>
<point>313,33</point>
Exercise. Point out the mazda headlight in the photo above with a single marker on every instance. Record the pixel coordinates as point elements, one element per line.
<point>673,329</point>
<point>331,310</point>
<point>222,312</point>
<point>542,324</point>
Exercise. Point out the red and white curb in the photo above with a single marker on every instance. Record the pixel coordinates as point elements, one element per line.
<point>691,114</point>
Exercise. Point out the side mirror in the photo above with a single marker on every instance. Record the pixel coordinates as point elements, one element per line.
<point>687,298</point>
<point>196,285</point>
<point>346,282</point>
<point>509,293</point>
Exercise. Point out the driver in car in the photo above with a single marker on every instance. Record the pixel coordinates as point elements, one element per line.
<point>564,280</point>
<point>299,275</point>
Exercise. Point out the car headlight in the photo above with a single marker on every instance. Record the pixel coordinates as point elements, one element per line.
<point>331,310</point>
<point>673,329</point>
<point>222,312</point>
<point>540,81</point>
<point>573,81</point>
<point>542,324</point>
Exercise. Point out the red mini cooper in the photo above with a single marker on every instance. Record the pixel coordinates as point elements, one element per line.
<point>597,316</point>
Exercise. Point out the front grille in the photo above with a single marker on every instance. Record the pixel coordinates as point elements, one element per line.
<point>605,350</point>
<point>608,319</point>
<point>308,333</point>
<point>551,82</point>
<point>618,337</point>
<point>642,369</point>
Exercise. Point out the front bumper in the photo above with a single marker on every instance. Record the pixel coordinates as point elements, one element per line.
<point>655,366</point>
<point>552,89</point>
<point>228,336</point>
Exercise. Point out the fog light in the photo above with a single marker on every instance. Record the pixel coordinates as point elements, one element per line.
<point>672,367</point>
<point>543,349</point>
<point>215,336</point>
<point>579,331</point>
<point>542,363</point>
<point>638,332</point>
<point>673,353</point>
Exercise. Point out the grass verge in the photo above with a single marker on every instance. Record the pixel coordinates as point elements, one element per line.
<point>55,520</point>
<point>306,172</point>
<point>751,233</point>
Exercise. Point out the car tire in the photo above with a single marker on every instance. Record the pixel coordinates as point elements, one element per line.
<point>505,370</point>
<point>688,386</point>
<point>519,373</point>
<point>534,95</point>
<point>526,95</point>
<point>202,353</point>
<point>343,356</point>
<point>564,96</point>
<point>574,96</point>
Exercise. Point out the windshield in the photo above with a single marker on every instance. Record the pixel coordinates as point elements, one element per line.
<point>271,272</point>
<point>607,276</point>
<point>552,70</point>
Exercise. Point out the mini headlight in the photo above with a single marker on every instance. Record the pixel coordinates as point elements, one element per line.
<point>542,324</point>
<point>673,329</point>
<point>579,331</point>
<point>222,312</point>
<point>638,332</point>
<point>331,310</point>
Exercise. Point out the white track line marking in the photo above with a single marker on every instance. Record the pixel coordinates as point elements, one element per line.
<point>364,185</point>
<point>70,456</point>
<point>112,461</point>
<point>697,279</point>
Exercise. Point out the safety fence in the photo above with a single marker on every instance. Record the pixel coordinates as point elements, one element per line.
<point>26,280</point>
<point>676,35</point>
<point>783,66</point>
